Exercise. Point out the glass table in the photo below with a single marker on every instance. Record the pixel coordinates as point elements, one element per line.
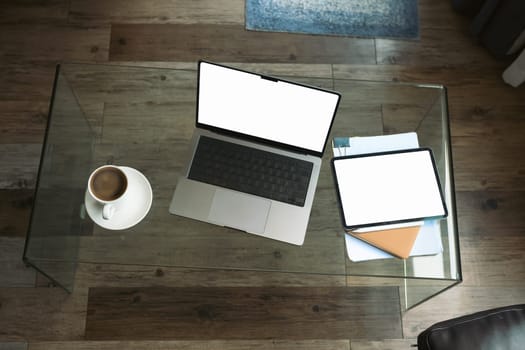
<point>144,118</point>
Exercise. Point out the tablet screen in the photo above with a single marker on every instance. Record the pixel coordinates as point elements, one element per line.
<point>389,187</point>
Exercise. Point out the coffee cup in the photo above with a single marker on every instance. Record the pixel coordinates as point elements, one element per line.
<point>108,186</point>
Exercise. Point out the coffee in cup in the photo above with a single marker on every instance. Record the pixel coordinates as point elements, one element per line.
<point>107,185</point>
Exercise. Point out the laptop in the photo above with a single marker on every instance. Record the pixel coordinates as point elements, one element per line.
<point>255,155</point>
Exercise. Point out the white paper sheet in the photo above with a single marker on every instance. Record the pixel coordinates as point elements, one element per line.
<point>371,144</point>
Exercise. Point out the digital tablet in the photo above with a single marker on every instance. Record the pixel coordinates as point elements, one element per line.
<point>388,188</point>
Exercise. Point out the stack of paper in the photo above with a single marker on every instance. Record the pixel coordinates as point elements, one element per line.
<point>425,235</point>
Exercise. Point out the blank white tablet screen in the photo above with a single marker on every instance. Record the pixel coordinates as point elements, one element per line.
<point>388,187</point>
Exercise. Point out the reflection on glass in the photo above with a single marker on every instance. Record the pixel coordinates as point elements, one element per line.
<point>57,217</point>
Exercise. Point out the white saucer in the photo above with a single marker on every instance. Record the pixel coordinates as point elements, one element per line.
<point>133,208</point>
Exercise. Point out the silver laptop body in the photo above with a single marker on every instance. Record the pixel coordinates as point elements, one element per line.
<point>268,114</point>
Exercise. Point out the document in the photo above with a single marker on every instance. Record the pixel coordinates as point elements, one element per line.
<point>428,242</point>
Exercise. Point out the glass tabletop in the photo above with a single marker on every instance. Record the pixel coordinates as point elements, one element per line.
<point>144,118</point>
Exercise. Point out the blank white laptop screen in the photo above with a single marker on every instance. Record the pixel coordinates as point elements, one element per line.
<point>269,109</point>
<point>388,187</point>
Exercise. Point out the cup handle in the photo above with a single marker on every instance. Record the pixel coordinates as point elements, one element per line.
<point>108,211</point>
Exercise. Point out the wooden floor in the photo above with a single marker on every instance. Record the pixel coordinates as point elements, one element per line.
<point>488,139</point>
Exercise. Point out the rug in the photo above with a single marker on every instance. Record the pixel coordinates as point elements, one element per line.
<point>362,18</point>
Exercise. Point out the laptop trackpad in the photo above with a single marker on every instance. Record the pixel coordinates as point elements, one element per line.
<point>240,211</point>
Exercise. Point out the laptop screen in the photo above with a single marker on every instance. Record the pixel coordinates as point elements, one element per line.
<point>264,107</point>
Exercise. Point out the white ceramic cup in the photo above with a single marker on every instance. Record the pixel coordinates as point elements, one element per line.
<point>108,186</point>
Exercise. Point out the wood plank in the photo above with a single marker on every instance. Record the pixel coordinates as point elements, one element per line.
<point>59,316</point>
<point>56,41</point>
<point>484,165</point>
<point>439,14</point>
<point>464,77</point>
<point>157,11</point>
<point>388,344</point>
<point>486,214</point>
<point>232,43</point>
<point>487,140</point>
<point>15,209</point>
<point>196,345</point>
<point>485,118</point>
<point>19,165</point>
<point>26,82</point>
<point>436,46</point>
<point>489,169</point>
<point>242,313</point>
<point>274,69</point>
<point>107,275</point>
<point>23,121</point>
<point>493,261</point>
<point>13,271</point>
<point>13,346</point>
<point>491,238</point>
<point>469,88</point>
<point>33,11</point>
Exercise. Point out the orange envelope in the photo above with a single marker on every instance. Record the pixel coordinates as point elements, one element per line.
<point>397,241</point>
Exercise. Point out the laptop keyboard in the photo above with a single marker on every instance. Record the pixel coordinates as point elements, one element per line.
<point>251,170</point>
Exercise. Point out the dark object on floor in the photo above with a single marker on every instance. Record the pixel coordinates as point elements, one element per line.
<point>494,329</point>
<point>498,24</point>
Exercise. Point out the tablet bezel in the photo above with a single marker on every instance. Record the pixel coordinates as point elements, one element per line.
<point>380,223</point>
